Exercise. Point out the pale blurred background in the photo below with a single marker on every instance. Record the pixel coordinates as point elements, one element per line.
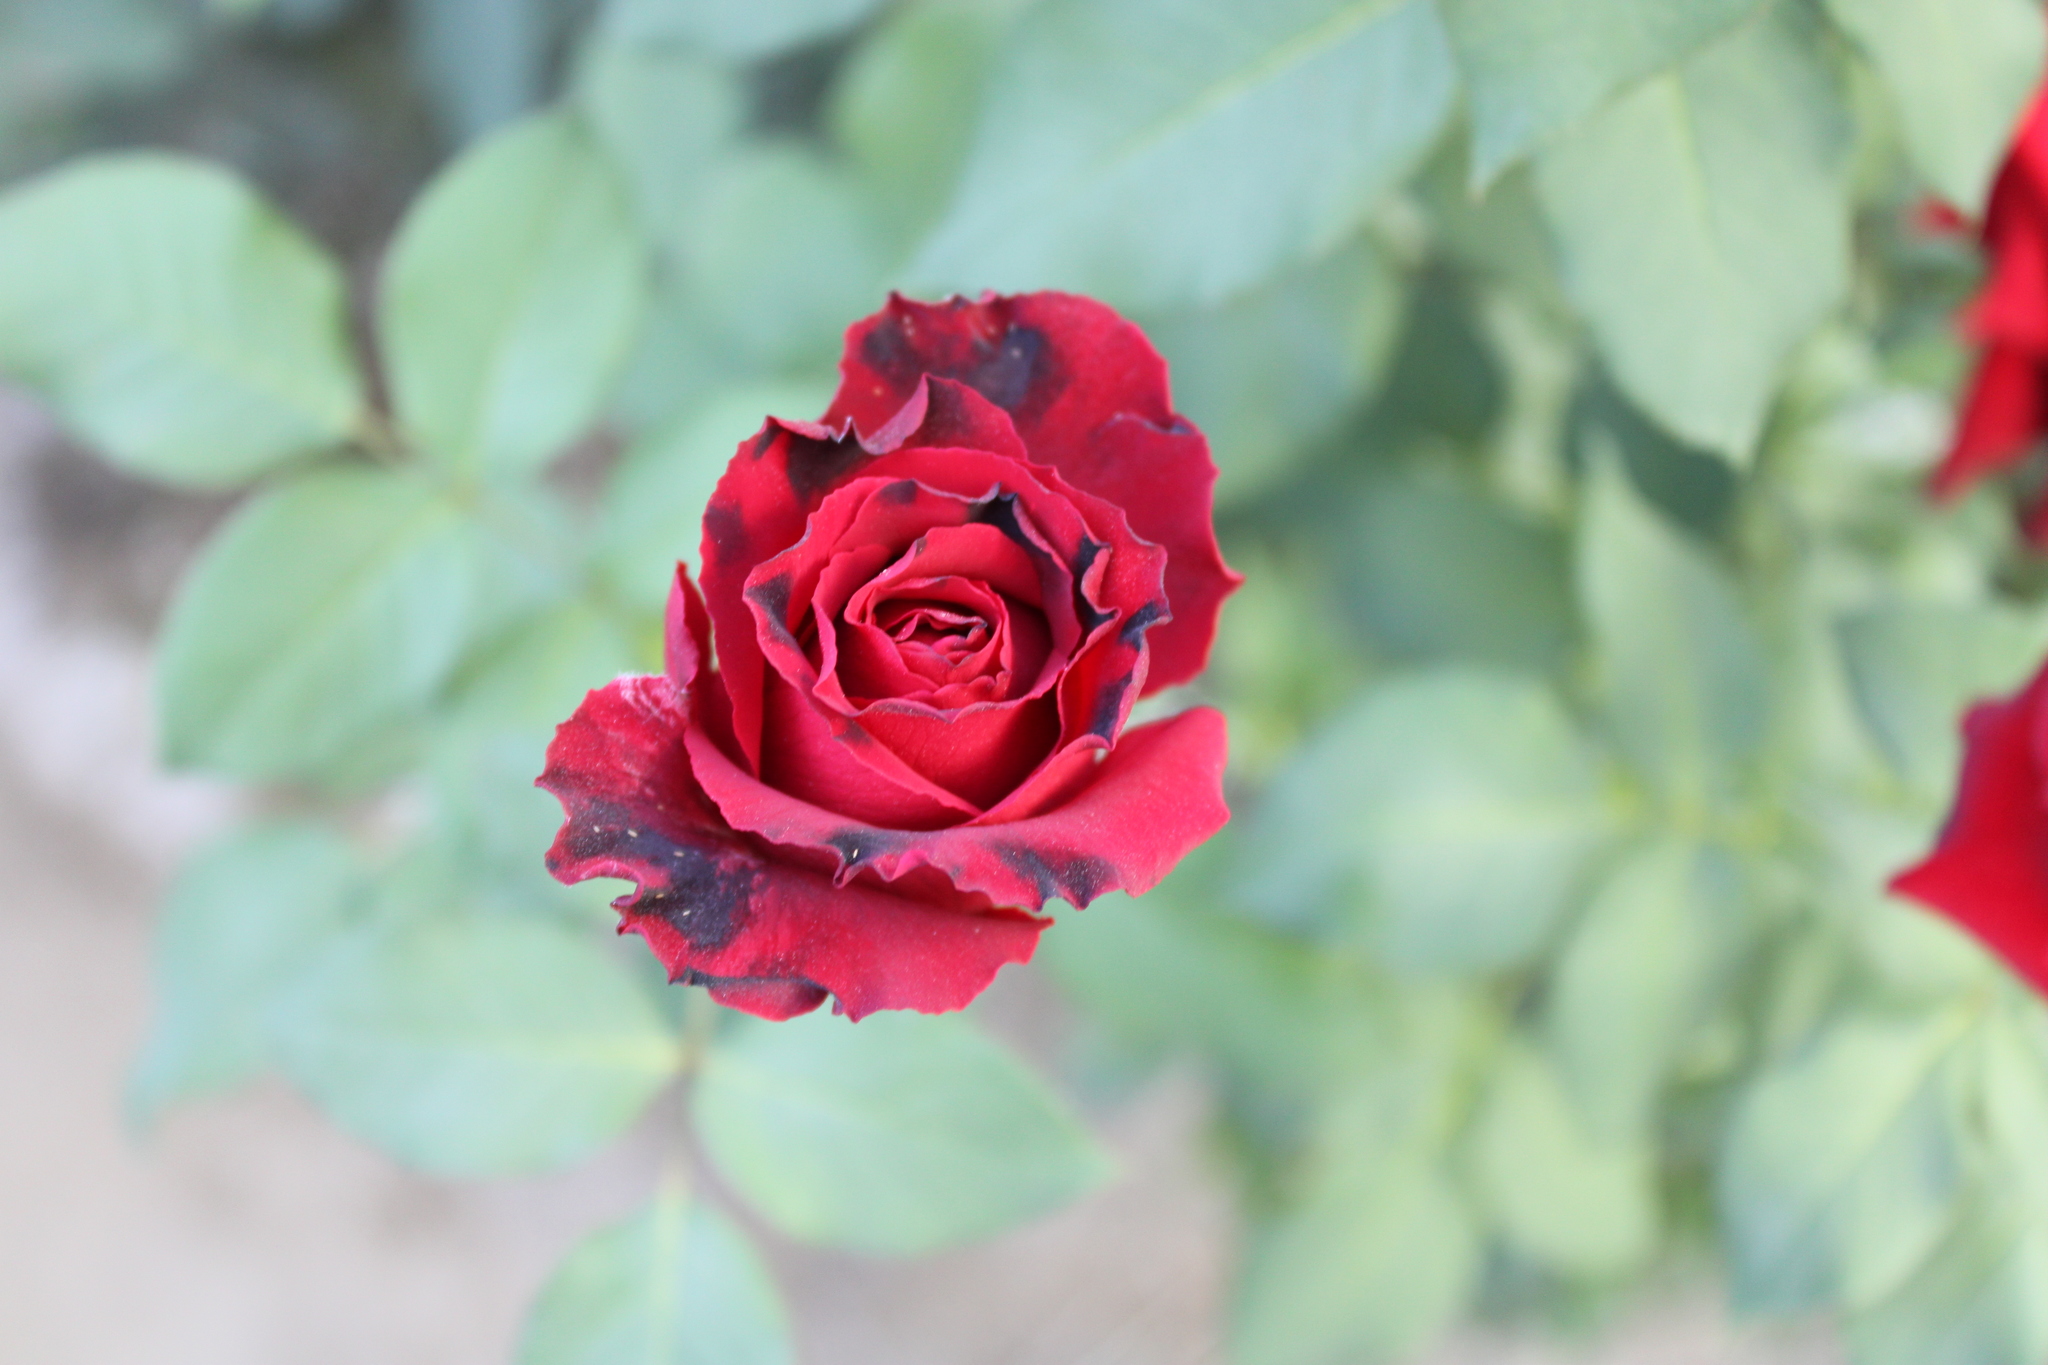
<point>249,1230</point>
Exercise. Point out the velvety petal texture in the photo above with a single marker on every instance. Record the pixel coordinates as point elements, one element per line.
<point>932,613</point>
<point>1088,396</point>
<point>2004,412</point>
<point>1989,870</point>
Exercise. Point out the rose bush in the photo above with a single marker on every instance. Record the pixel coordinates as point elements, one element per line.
<point>1989,869</point>
<point>2006,408</point>
<point>933,611</point>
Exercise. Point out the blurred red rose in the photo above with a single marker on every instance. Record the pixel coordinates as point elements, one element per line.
<point>1989,869</point>
<point>2006,409</point>
<point>933,611</point>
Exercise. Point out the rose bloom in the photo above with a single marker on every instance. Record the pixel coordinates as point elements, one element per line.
<point>2005,412</point>
<point>933,611</point>
<point>1989,869</point>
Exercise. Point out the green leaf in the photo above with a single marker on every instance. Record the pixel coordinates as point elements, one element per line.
<point>510,296</point>
<point>681,360</point>
<point>899,1134</point>
<point>176,322</point>
<point>1679,666</point>
<point>241,924</point>
<point>1637,977</point>
<point>321,619</point>
<point>1960,76</point>
<point>478,1045</point>
<point>662,112</point>
<point>1703,224</point>
<point>492,739</point>
<point>1165,972</point>
<point>1915,669</point>
<point>1440,574</point>
<point>1269,373</point>
<point>1535,67</point>
<point>1374,1259</point>
<point>735,31</point>
<point>905,104</point>
<point>1284,122</point>
<point>1842,1169</point>
<point>1465,803</point>
<point>2014,1085</point>
<point>676,1284</point>
<point>1982,1299</point>
<point>653,511</point>
<point>783,256</point>
<point>1580,1206</point>
<point>1911,954</point>
<point>528,679</point>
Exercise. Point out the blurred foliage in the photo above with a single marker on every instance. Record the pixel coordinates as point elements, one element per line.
<point>1571,371</point>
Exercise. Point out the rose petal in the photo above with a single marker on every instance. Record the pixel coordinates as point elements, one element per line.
<point>2005,412</point>
<point>1989,869</point>
<point>874,663</point>
<point>979,753</point>
<point>1157,795</point>
<point>767,935</point>
<point>2010,309</point>
<point>1088,395</point>
<point>818,755</point>
<point>1128,465</point>
<point>773,484</point>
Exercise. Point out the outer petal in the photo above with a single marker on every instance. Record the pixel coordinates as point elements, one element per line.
<point>767,935</point>
<point>2013,305</point>
<point>1156,796</point>
<point>1088,394</point>
<point>2005,412</point>
<point>1989,869</point>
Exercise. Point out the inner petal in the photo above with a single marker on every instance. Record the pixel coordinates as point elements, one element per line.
<point>940,633</point>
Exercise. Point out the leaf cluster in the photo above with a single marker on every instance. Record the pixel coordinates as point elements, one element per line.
<point>1570,372</point>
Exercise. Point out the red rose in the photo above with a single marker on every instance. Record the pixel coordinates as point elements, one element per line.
<point>1989,870</point>
<point>933,611</point>
<point>2006,409</point>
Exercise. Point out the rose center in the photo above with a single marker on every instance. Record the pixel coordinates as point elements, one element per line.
<point>937,628</point>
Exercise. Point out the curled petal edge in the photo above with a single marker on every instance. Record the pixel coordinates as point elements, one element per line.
<point>1154,797</point>
<point>766,936</point>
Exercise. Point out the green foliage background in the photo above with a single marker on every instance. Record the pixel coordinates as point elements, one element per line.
<point>1572,371</point>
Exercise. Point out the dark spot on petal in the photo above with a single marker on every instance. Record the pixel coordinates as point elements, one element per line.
<point>1142,620</point>
<point>901,492</point>
<point>1001,512</point>
<point>1011,371</point>
<point>888,351</point>
<point>705,890</point>
<point>726,529</point>
<point>1109,705</point>
<point>1085,557</point>
<point>773,596</point>
<point>1076,878</point>
<point>857,844</point>
<point>786,995</point>
<point>708,899</point>
<point>1090,615</point>
<point>816,467</point>
<point>1005,377</point>
<point>764,440</point>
